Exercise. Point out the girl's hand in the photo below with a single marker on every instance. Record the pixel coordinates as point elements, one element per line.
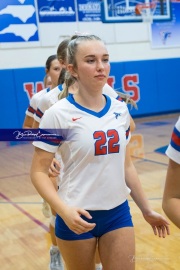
<point>72,218</point>
<point>54,169</point>
<point>159,224</point>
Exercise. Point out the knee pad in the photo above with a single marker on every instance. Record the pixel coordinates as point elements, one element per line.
<point>52,221</point>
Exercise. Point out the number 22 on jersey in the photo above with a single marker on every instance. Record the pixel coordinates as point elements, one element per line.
<point>106,142</point>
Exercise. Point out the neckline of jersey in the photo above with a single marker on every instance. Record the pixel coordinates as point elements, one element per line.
<point>100,114</point>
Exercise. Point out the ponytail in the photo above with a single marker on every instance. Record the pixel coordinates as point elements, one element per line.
<point>126,98</point>
<point>68,81</point>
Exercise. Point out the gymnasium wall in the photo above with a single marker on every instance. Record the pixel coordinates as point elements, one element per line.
<point>27,41</point>
<point>153,84</point>
<point>148,73</point>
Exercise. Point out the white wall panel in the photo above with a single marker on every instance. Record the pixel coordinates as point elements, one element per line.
<point>126,42</point>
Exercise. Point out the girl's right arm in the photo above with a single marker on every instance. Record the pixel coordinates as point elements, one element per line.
<point>43,184</point>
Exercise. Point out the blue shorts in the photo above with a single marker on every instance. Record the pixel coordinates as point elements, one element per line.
<point>106,221</point>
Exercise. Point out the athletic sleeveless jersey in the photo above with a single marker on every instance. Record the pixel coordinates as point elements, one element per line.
<point>46,102</point>
<point>31,110</point>
<point>93,153</point>
<point>173,150</point>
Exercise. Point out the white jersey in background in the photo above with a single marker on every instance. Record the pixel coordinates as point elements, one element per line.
<point>173,150</point>
<point>93,153</point>
<point>31,110</point>
<point>46,102</point>
<point>109,91</point>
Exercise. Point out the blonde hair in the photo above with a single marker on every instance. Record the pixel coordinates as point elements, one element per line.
<point>68,81</point>
<point>64,77</point>
<point>126,98</point>
<point>73,44</point>
<point>61,56</point>
<point>71,52</point>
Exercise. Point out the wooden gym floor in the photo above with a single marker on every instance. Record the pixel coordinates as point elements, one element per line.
<point>24,235</point>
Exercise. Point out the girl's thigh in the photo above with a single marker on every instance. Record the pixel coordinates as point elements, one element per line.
<point>78,254</point>
<point>117,249</point>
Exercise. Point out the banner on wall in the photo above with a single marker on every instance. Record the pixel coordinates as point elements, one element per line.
<point>69,11</point>
<point>167,34</point>
<point>18,21</point>
<point>89,10</point>
<point>56,11</point>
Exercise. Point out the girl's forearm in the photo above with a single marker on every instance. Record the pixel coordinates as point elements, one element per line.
<point>46,189</point>
<point>137,192</point>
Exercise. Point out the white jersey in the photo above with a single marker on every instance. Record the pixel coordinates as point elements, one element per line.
<point>93,152</point>
<point>51,98</point>
<point>31,110</point>
<point>46,102</point>
<point>173,150</point>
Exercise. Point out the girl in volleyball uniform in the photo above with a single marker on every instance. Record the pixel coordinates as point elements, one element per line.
<point>92,204</point>
<point>45,103</point>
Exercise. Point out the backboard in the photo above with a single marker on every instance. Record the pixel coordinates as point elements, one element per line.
<point>115,11</point>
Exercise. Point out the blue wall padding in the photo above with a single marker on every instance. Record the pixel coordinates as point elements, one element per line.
<point>159,88</point>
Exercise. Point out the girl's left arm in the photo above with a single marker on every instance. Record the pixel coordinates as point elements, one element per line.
<point>158,223</point>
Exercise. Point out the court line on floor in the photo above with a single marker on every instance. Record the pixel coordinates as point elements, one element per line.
<point>12,176</point>
<point>38,222</point>
<point>22,202</point>
<point>149,160</point>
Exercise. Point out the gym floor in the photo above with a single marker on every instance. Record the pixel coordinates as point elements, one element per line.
<point>24,232</point>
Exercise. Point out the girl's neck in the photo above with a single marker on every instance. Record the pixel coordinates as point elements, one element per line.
<point>73,89</point>
<point>53,86</point>
<point>94,101</point>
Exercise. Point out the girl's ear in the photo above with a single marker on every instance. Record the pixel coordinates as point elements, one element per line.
<point>71,70</point>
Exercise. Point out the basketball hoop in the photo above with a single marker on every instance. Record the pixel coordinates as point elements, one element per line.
<point>146,11</point>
